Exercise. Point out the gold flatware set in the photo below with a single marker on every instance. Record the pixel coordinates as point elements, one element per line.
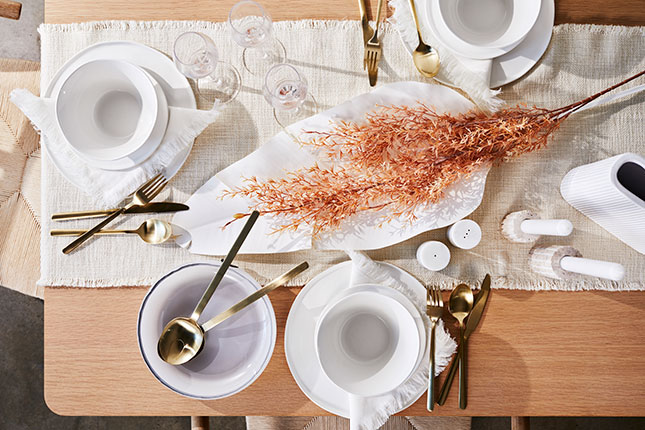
<point>468,311</point>
<point>426,58</point>
<point>152,231</point>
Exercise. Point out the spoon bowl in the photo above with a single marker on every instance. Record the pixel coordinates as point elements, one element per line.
<point>181,340</point>
<point>426,60</point>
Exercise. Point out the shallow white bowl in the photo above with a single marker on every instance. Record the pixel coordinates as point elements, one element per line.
<point>149,146</point>
<point>367,343</point>
<point>483,29</point>
<point>235,352</point>
<point>107,109</point>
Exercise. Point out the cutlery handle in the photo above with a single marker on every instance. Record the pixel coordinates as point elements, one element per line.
<point>80,240</point>
<point>82,214</point>
<point>224,267</point>
<point>379,7</point>
<point>445,388</point>
<point>431,370</point>
<point>278,282</point>
<point>63,232</point>
<point>462,370</point>
<point>416,18</point>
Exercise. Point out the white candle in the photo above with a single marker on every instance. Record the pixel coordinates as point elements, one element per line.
<point>597,268</point>
<point>549,227</point>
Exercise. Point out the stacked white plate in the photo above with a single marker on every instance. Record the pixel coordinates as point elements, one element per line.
<point>499,39</point>
<point>300,332</point>
<point>112,106</point>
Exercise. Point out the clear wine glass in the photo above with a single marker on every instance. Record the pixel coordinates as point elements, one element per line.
<point>286,89</point>
<point>196,57</point>
<point>251,28</point>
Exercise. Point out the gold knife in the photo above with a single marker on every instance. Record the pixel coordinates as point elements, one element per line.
<point>472,322</point>
<point>149,208</point>
<point>368,32</point>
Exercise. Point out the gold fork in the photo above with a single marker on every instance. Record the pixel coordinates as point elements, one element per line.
<point>434,309</point>
<point>373,49</point>
<point>141,197</point>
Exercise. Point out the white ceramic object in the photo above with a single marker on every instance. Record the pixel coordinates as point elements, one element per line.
<point>367,343</point>
<point>525,227</point>
<point>611,193</point>
<point>299,341</point>
<point>464,234</point>
<point>433,255</point>
<point>484,29</point>
<point>107,109</point>
<point>565,262</point>
<point>518,61</point>
<point>235,352</point>
<point>175,86</point>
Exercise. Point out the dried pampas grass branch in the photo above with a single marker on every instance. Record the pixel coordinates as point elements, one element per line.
<point>399,160</point>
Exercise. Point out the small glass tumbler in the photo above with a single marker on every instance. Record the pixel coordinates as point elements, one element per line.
<point>286,89</point>
<point>251,28</point>
<point>196,57</point>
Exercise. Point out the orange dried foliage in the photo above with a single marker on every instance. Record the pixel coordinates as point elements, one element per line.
<point>399,160</point>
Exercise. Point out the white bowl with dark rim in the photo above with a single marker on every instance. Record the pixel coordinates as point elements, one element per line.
<point>235,353</point>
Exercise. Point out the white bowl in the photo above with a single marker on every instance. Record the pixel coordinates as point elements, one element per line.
<point>107,109</point>
<point>149,146</point>
<point>367,343</point>
<point>483,29</point>
<point>235,352</point>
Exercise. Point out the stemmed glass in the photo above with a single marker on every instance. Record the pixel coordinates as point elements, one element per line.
<point>196,57</point>
<point>251,28</point>
<point>285,88</point>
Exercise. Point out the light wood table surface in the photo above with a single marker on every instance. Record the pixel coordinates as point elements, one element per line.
<point>535,353</point>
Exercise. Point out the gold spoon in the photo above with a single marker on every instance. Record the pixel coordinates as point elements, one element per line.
<point>426,59</point>
<point>181,335</point>
<point>460,305</point>
<point>153,231</point>
<point>180,342</point>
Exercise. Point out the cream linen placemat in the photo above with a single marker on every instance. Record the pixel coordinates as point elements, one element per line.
<point>580,61</point>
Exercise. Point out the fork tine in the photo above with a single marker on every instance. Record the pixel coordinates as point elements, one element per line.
<point>157,189</point>
<point>440,297</point>
<point>435,299</point>
<point>152,184</point>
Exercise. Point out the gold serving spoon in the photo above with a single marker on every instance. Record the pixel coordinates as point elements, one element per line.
<point>426,59</point>
<point>182,337</point>
<point>153,231</point>
<point>180,342</point>
<point>460,305</point>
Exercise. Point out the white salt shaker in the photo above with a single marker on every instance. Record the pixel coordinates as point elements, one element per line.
<point>525,227</point>
<point>433,255</point>
<point>465,234</point>
<point>564,262</point>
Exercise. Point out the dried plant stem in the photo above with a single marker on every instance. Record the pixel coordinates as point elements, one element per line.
<point>399,160</point>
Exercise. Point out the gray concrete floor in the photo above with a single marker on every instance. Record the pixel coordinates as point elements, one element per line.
<point>21,338</point>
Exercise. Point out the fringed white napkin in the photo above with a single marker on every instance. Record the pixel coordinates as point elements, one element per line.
<point>109,188</point>
<point>371,413</point>
<point>452,70</point>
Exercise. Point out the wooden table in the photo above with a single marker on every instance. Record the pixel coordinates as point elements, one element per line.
<point>535,353</point>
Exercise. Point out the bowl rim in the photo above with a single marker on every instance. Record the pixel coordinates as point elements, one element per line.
<point>146,90</point>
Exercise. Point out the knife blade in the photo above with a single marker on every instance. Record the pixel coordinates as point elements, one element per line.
<point>155,207</point>
<point>478,308</point>
<point>471,323</point>
<point>368,32</point>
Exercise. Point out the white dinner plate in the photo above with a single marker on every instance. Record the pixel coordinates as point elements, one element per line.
<point>175,86</point>
<point>516,63</point>
<point>235,352</point>
<point>299,340</point>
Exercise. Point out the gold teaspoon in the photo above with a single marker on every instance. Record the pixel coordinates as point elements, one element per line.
<point>153,231</point>
<point>426,59</point>
<point>460,305</point>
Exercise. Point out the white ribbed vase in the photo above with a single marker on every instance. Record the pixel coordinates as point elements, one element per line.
<point>595,190</point>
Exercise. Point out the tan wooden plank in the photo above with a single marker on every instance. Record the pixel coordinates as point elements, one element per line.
<point>620,12</point>
<point>535,353</point>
